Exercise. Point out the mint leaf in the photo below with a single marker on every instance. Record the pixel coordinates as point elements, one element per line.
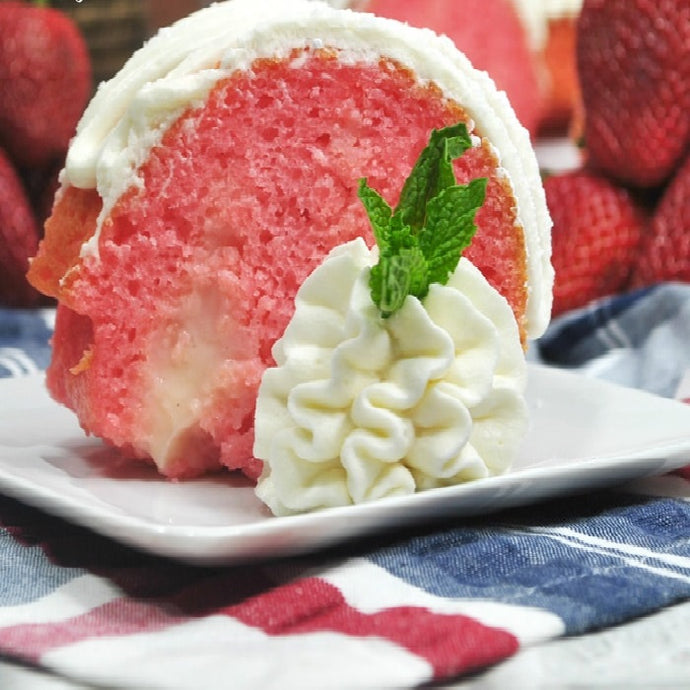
<point>395,277</point>
<point>432,172</point>
<point>401,269</point>
<point>420,242</point>
<point>450,227</point>
<point>378,210</point>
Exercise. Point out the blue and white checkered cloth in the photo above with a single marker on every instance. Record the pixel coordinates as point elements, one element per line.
<point>25,341</point>
<point>640,340</point>
<point>426,604</point>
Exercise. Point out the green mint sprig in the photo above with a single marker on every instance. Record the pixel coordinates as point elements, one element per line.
<point>421,240</point>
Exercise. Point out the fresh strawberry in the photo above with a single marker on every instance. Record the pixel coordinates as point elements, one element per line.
<point>597,227</point>
<point>45,81</point>
<point>489,32</point>
<point>634,71</point>
<point>18,238</point>
<point>664,253</point>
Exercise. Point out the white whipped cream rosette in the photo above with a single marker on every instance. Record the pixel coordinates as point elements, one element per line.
<point>360,407</point>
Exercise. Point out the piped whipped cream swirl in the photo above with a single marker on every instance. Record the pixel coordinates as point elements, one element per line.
<point>360,407</point>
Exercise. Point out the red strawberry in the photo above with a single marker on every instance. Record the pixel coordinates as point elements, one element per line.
<point>489,32</point>
<point>664,252</point>
<point>634,70</point>
<point>18,238</point>
<point>596,230</point>
<point>45,81</point>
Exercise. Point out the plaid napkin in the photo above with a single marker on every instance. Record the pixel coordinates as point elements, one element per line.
<point>427,604</point>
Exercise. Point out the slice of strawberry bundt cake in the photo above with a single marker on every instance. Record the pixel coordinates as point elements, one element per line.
<point>214,173</point>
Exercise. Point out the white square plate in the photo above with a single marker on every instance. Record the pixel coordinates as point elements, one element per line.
<point>585,434</point>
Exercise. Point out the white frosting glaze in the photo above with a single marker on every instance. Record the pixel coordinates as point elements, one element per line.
<point>360,407</point>
<point>129,114</point>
